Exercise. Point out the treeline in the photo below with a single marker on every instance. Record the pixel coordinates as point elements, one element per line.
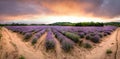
<point>86,24</point>
<point>63,24</point>
<point>78,24</point>
<point>89,24</point>
<point>21,24</point>
<point>113,23</point>
<point>67,24</point>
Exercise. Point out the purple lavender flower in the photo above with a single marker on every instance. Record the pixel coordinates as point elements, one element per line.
<point>49,42</point>
<point>27,36</point>
<point>66,43</point>
<point>95,39</point>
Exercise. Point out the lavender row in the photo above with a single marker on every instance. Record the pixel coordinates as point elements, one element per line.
<point>66,43</point>
<point>25,29</point>
<point>37,36</point>
<point>49,42</point>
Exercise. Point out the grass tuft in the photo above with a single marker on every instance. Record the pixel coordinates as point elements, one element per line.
<point>21,57</point>
<point>109,51</point>
<point>87,45</point>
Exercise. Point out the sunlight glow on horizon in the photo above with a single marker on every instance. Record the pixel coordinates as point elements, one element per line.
<point>52,19</point>
<point>73,19</point>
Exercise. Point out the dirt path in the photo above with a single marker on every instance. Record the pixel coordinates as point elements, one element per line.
<point>28,52</point>
<point>7,48</point>
<point>58,49</point>
<point>99,52</point>
<point>117,53</point>
<point>76,53</point>
<point>40,42</point>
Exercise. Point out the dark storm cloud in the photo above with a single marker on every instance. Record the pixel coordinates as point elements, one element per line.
<point>96,4</point>
<point>19,7</point>
<point>109,8</point>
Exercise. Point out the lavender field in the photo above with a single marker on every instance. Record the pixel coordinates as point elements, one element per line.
<point>59,29</point>
<point>68,36</point>
<point>59,42</point>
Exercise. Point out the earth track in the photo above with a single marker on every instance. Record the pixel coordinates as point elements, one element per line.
<point>40,41</point>
<point>27,52</point>
<point>116,56</point>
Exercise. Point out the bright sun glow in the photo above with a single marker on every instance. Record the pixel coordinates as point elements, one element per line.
<point>53,19</point>
<point>74,19</point>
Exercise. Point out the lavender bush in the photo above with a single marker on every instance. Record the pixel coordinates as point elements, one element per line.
<point>37,36</point>
<point>66,43</point>
<point>34,40</point>
<point>81,34</point>
<point>88,36</point>
<point>95,39</point>
<point>27,36</point>
<point>66,46</point>
<point>72,36</point>
<point>49,42</point>
<point>87,45</point>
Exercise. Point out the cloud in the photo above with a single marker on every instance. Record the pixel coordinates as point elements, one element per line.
<point>20,9</point>
<point>72,7</point>
<point>96,8</point>
<point>109,8</point>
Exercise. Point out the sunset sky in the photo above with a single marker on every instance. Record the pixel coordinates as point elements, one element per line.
<point>50,11</point>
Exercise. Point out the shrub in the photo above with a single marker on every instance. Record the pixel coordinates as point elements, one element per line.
<point>27,36</point>
<point>82,35</point>
<point>67,46</point>
<point>59,38</point>
<point>49,44</point>
<point>87,45</point>
<point>66,43</point>
<point>92,34</point>
<point>109,51</point>
<point>72,36</point>
<point>88,37</point>
<point>100,34</point>
<point>21,57</point>
<point>108,32</point>
<point>23,32</point>
<point>105,34</point>
<point>80,42</point>
<point>34,41</point>
<point>95,39</point>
